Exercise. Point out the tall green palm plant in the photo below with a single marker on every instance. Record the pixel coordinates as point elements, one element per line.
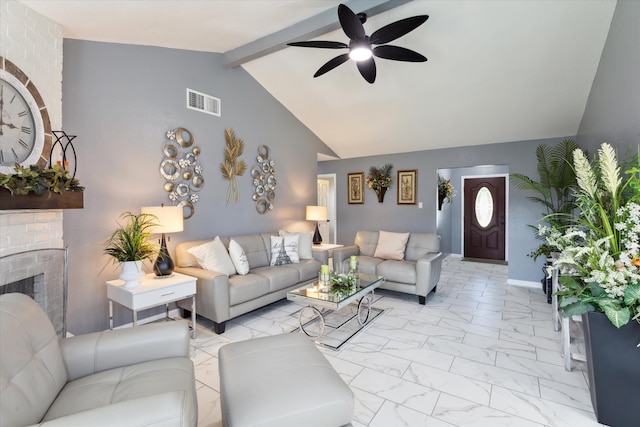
<point>554,190</point>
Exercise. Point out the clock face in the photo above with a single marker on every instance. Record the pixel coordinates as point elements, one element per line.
<point>22,130</point>
<point>17,126</point>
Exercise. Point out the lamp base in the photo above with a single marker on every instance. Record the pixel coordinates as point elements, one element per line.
<point>163,266</point>
<point>317,238</point>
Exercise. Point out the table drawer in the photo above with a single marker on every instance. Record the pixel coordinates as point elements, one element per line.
<point>154,297</point>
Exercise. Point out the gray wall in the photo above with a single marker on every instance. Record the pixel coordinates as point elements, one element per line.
<point>612,113</point>
<point>512,157</point>
<point>120,100</point>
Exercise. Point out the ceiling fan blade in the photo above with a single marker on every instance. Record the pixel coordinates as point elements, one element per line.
<point>368,69</point>
<point>350,23</point>
<point>320,44</point>
<point>397,29</point>
<point>396,53</point>
<point>340,59</point>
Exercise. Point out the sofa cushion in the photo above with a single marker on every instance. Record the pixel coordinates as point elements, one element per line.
<point>305,243</point>
<point>284,250</point>
<point>307,269</point>
<point>421,244</point>
<point>280,277</point>
<point>366,264</point>
<point>32,371</point>
<point>238,257</point>
<point>398,271</point>
<point>391,245</point>
<point>213,256</point>
<point>246,288</point>
<point>183,257</point>
<point>123,384</point>
<point>366,241</point>
<point>255,249</point>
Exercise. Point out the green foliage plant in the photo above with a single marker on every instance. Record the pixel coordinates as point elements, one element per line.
<point>130,242</point>
<point>36,180</point>
<point>554,190</point>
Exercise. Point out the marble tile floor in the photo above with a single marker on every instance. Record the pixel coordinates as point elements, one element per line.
<point>479,353</point>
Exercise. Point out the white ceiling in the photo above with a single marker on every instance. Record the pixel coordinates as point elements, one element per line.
<point>498,71</point>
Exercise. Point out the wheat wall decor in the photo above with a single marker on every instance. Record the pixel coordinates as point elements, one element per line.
<point>232,167</point>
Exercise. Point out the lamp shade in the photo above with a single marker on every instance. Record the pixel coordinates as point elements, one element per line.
<point>169,218</point>
<point>317,213</point>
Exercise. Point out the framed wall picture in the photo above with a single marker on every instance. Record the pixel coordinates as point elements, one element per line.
<point>355,188</point>
<point>407,187</point>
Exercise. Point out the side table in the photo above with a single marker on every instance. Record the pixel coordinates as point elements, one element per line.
<point>329,247</point>
<point>153,292</point>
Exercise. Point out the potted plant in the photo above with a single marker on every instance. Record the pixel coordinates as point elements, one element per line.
<point>32,183</point>
<point>599,256</point>
<point>554,191</point>
<point>379,179</point>
<point>129,245</point>
<point>445,191</point>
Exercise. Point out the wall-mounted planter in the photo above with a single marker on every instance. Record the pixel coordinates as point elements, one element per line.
<point>65,200</point>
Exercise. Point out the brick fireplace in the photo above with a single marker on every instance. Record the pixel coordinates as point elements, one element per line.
<point>33,261</point>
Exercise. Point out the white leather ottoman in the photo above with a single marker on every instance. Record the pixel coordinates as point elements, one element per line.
<point>281,380</point>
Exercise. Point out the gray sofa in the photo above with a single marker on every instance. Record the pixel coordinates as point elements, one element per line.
<point>220,297</point>
<point>417,273</point>
<point>139,376</point>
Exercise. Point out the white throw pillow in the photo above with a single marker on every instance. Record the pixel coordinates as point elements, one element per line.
<point>214,256</point>
<point>238,257</point>
<point>305,243</point>
<point>284,250</point>
<point>391,245</point>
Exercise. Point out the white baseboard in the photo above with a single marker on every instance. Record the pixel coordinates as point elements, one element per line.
<point>524,283</point>
<point>172,313</point>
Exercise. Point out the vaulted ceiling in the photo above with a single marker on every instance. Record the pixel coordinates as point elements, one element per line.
<point>497,71</point>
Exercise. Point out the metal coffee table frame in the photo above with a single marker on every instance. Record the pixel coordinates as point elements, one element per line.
<point>325,303</point>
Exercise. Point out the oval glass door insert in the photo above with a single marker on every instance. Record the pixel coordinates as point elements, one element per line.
<point>484,207</point>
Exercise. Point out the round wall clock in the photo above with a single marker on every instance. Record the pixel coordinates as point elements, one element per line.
<point>25,129</point>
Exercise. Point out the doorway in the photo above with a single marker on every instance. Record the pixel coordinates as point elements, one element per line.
<point>327,197</point>
<point>485,218</point>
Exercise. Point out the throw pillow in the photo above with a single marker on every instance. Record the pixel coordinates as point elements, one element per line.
<point>238,257</point>
<point>284,250</point>
<point>391,245</point>
<point>305,243</point>
<point>214,256</point>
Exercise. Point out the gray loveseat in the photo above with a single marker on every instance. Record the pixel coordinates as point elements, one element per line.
<point>220,297</point>
<point>417,273</point>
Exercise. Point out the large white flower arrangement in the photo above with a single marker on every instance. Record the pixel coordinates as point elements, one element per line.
<point>599,256</point>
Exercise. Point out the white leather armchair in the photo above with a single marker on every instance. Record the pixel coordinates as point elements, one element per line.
<point>140,376</point>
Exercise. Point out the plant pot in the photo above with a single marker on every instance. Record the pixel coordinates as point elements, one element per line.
<point>131,273</point>
<point>613,368</point>
<point>380,194</point>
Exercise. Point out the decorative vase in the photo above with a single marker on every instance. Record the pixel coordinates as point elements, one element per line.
<point>131,273</point>
<point>613,369</point>
<point>440,202</point>
<point>380,194</point>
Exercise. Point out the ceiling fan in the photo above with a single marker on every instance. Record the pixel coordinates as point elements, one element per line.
<point>359,46</point>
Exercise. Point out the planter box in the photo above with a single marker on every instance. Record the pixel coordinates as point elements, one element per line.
<point>613,362</point>
<point>66,200</point>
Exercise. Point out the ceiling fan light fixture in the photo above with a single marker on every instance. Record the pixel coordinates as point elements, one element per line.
<point>360,53</point>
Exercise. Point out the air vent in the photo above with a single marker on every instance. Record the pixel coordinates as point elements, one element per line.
<point>202,102</point>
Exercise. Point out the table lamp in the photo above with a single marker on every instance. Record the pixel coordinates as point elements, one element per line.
<point>317,213</point>
<point>169,220</point>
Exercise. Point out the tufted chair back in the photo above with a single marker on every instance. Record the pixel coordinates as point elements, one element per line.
<point>32,372</point>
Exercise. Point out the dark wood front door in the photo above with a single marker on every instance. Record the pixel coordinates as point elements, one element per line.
<point>484,218</point>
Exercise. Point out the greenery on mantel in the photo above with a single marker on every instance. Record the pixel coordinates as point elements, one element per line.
<point>36,180</point>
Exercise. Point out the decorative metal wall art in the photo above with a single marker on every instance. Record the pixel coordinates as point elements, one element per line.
<point>231,167</point>
<point>181,170</point>
<point>264,181</point>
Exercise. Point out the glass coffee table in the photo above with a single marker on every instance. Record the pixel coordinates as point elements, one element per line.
<point>345,312</point>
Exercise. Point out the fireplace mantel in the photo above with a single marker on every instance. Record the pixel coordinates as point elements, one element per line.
<point>65,200</point>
